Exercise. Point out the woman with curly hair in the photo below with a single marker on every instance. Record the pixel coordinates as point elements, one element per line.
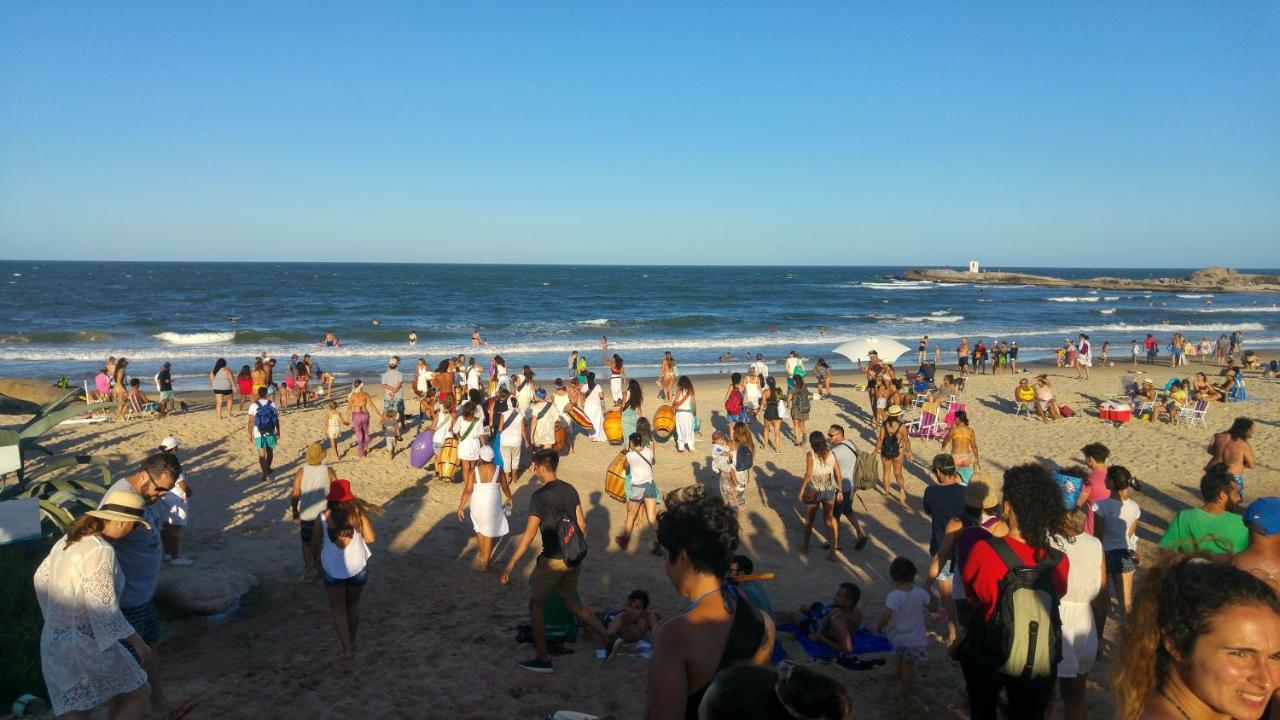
<point>719,628</point>
<point>1034,512</point>
<point>1203,641</point>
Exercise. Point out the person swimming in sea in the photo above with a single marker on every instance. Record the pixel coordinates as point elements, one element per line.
<point>331,340</point>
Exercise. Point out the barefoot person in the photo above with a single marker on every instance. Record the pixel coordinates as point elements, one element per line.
<point>90,654</point>
<point>643,494</point>
<point>346,533</point>
<point>719,628</point>
<point>359,404</point>
<point>834,624</point>
<point>686,408</point>
<point>847,458</point>
<point>223,385</point>
<point>1232,449</point>
<point>489,495</point>
<point>637,621</point>
<point>263,422</point>
<point>821,488</point>
<point>893,445</point>
<point>553,503</point>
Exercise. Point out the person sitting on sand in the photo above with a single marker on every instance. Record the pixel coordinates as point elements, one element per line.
<point>720,628</point>
<point>741,572</point>
<point>636,622</point>
<point>1204,390</point>
<point>832,625</point>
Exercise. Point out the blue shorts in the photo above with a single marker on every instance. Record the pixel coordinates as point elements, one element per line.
<point>645,491</point>
<point>265,442</point>
<point>144,621</point>
<point>357,580</point>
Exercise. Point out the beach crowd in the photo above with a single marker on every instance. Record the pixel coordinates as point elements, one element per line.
<point>1026,568</point>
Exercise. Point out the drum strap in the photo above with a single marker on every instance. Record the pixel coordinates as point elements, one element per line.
<point>470,427</point>
<point>545,409</point>
<point>514,415</point>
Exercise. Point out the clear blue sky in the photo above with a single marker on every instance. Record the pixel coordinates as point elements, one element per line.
<point>1069,133</point>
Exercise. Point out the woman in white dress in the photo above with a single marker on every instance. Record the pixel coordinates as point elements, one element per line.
<point>524,390</point>
<point>593,406</point>
<point>1086,577</point>
<point>752,390</point>
<point>484,491</point>
<point>469,429</point>
<point>89,653</point>
<point>617,379</point>
<point>686,408</point>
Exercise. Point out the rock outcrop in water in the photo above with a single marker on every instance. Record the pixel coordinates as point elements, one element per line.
<point>1213,279</point>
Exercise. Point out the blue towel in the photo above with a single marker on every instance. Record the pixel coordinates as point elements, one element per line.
<point>863,642</point>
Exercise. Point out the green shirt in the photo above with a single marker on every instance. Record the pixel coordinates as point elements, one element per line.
<point>1195,529</point>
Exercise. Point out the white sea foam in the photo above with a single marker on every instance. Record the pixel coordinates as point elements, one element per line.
<point>1111,298</point>
<point>1193,296</point>
<point>1072,299</point>
<point>200,338</point>
<point>1108,311</point>
<point>1230,309</point>
<point>940,312</point>
<point>933,318</point>
<point>598,322</point>
<point>898,285</point>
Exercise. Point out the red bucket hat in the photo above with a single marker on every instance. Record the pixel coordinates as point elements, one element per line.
<point>340,491</point>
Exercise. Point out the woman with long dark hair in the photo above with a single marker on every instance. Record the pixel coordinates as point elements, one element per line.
<point>770,415</point>
<point>342,542</point>
<point>617,378</point>
<point>593,406</point>
<point>223,385</point>
<point>1203,641</point>
<point>632,407</point>
<point>820,487</point>
<point>686,408</point>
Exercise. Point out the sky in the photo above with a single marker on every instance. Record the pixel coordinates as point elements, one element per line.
<point>1135,134</point>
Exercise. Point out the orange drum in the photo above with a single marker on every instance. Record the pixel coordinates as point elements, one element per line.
<point>664,422</point>
<point>613,426</point>
<point>615,479</point>
<point>448,459</point>
<point>580,418</point>
<point>562,439</point>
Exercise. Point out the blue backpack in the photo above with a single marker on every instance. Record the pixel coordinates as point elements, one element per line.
<point>264,418</point>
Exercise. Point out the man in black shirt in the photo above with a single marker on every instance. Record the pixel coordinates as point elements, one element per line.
<point>944,500</point>
<point>164,385</point>
<point>556,499</point>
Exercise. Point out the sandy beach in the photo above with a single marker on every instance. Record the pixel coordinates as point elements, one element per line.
<point>436,638</point>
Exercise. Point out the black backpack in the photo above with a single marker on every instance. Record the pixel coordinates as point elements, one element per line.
<point>573,546</point>
<point>1023,639</point>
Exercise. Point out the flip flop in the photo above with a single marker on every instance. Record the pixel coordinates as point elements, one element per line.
<point>183,710</point>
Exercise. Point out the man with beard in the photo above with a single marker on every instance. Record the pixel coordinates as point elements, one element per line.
<point>1216,527</point>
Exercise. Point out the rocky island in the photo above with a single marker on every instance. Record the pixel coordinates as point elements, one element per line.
<point>1214,279</point>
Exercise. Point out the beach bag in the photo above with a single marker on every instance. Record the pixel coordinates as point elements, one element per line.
<point>573,546</point>
<point>1024,637</point>
<point>733,405</point>
<point>866,471</point>
<point>891,447</point>
<point>1066,412</point>
<point>264,418</point>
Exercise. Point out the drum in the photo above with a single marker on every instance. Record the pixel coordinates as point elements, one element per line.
<point>448,459</point>
<point>422,449</point>
<point>664,422</point>
<point>615,479</point>
<point>613,427</point>
<point>580,418</point>
<point>562,439</point>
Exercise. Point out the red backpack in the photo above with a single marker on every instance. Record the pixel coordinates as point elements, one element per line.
<point>733,405</point>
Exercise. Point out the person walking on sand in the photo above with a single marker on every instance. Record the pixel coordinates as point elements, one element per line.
<point>359,405</point>
<point>223,385</point>
<point>346,532</point>
<point>554,505</point>
<point>962,356</point>
<point>771,417</point>
<point>140,554</point>
<point>798,402</point>
<point>512,433</point>
<point>306,501</point>
<point>686,408</point>
<point>847,459</point>
<point>667,376</point>
<point>484,493</point>
<point>469,429</point>
<point>393,391</point>
<point>893,445</point>
<point>821,488</point>
<point>176,509</point>
<point>90,654</point>
<point>1084,357</point>
<point>643,491</point>
<point>593,405</point>
<point>1232,449</point>
<point>923,349</point>
<point>263,422</point>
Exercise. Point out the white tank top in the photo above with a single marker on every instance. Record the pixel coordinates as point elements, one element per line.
<point>343,563</point>
<point>641,466</point>
<point>315,485</point>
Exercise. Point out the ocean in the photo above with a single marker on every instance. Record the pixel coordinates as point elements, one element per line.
<point>65,318</point>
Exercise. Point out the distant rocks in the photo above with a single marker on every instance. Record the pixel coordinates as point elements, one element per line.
<point>1213,279</point>
<point>23,396</point>
<point>202,589</point>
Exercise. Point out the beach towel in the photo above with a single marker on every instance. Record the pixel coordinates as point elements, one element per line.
<point>864,641</point>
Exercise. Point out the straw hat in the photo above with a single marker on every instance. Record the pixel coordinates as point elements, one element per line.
<point>980,495</point>
<point>895,411</point>
<point>315,454</point>
<point>123,505</point>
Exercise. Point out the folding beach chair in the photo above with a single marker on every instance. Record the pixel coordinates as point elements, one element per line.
<point>929,425</point>
<point>1022,408</point>
<point>1189,415</point>
<point>136,410</point>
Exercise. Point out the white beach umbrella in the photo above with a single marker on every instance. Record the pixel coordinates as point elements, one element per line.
<point>887,348</point>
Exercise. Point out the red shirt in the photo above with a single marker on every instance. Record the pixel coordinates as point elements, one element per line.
<point>1096,484</point>
<point>983,571</point>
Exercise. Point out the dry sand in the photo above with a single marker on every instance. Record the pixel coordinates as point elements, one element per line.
<point>436,634</point>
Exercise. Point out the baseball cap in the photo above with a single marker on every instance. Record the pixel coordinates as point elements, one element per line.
<point>1263,516</point>
<point>944,463</point>
<point>169,443</point>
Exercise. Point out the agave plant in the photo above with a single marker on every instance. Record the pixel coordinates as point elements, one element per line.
<point>61,500</point>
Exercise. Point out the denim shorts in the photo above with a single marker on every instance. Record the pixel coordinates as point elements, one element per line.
<point>357,580</point>
<point>644,491</point>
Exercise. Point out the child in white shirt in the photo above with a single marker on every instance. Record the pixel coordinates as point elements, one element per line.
<point>903,621</point>
<point>1118,516</point>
